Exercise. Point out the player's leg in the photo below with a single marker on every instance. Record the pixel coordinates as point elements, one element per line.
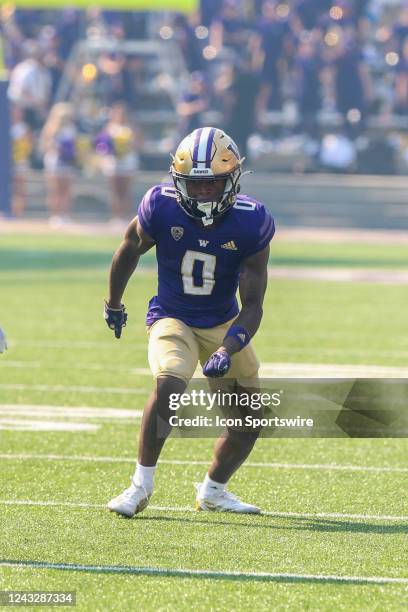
<point>232,449</point>
<point>173,356</point>
<point>230,452</point>
<point>235,445</point>
<point>155,426</point>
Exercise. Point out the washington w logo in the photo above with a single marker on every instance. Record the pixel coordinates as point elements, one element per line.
<point>203,243</point>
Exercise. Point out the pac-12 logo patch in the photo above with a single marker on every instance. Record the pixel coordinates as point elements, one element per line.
<point>177,232</point>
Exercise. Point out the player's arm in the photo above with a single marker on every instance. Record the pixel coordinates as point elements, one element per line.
<point>135,243</point>
<point>252,287</point>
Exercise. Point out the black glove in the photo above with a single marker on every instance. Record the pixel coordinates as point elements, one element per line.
<point>115,318</point>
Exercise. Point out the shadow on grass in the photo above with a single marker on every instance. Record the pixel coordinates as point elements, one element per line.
<point>201,574</point>
<point>296,523</point>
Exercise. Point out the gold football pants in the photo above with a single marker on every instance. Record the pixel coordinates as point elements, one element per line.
<point>176,348</point>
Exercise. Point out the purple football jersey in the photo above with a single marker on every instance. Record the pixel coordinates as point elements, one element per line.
<point>198,267</point>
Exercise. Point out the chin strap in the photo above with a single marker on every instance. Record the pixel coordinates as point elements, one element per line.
<point>208,209</point>
<point>207,221</point>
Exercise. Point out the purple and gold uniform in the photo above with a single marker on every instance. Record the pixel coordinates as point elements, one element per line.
<point>198,274</point>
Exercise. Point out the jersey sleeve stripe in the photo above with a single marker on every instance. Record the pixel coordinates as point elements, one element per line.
<point>266,231</point>
<point>144,212</point>
<point>266,222</point>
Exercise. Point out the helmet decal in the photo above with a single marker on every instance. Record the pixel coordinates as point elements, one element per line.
<point>202,147</point>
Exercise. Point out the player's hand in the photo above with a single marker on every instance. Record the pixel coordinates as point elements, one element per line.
<point>115,318</point>
<point>3,341</point>
<point>217,365</point>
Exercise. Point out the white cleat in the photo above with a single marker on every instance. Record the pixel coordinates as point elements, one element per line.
<point>223,501</point>
<point>131,501</point>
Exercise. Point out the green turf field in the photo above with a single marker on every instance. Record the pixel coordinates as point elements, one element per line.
<point>334,535</point>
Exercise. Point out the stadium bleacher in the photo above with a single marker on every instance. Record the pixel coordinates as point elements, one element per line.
<point>302,87</point>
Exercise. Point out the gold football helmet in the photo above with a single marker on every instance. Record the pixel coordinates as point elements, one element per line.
<point>207,154</point>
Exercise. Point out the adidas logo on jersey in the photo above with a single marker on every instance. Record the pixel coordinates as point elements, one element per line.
<point>203,243</point>
<point>230,246</point>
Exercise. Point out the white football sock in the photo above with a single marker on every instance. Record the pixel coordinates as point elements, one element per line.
<point>144,476</point>
<point>209,487</point>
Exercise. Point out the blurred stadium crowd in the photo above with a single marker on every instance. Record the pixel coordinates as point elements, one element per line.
<point>303,85</point>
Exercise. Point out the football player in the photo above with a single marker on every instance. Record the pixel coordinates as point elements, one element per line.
<point>210,241</point>
<point>3,341</point>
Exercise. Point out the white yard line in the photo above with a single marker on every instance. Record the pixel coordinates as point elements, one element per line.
<point>276,513</point>
<point>357,352</point>
<point>204,573</point>
<point>268,369</point>
<point>72,389</point>
<point>38,365</point>
<point>349,235</point>
<point>84,412</point>
<point>317,370</point>
<point>69,344</point>
<point>30,425</point>
<point>341,275</point>
<point>248,464</point>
